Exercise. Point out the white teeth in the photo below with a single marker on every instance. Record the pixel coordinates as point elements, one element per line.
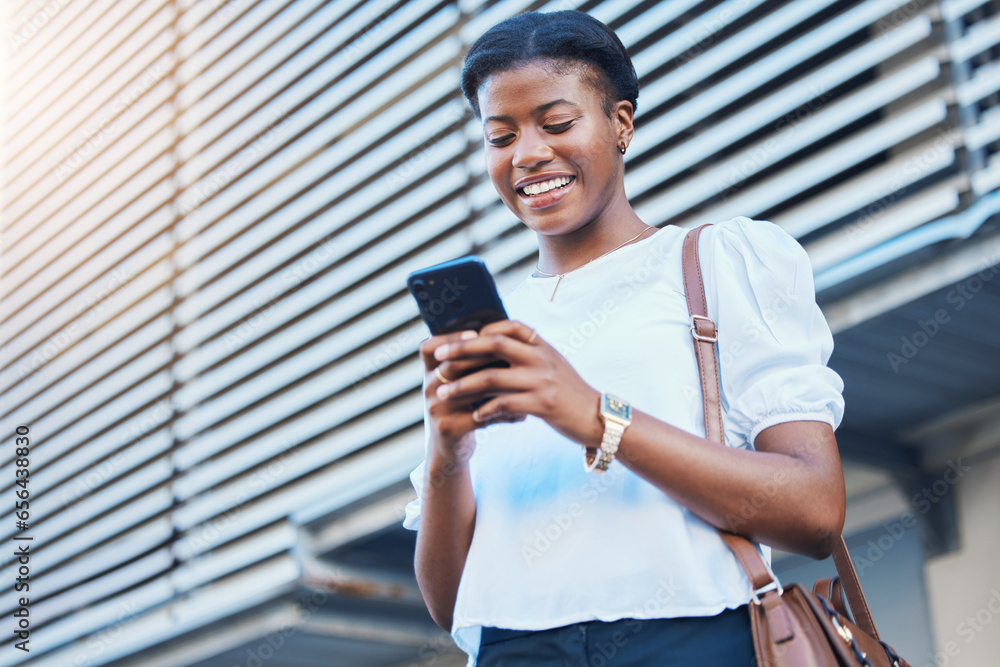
<point>533,189</point>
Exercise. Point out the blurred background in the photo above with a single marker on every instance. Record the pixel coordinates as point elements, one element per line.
<point>209,209</point>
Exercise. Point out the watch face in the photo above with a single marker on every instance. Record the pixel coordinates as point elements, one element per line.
<point>616,407</point>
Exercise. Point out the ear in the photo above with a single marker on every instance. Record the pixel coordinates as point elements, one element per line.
<point>621,119</point>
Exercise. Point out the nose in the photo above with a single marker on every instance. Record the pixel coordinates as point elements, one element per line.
<point>532,149</point>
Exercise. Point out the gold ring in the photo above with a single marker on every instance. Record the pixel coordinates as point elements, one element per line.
<point>534,335</point>
<point>437,371</point>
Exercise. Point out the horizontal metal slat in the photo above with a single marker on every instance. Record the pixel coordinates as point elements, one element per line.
<point>104,470</point>
<point>872,191</point>
<point>154,191</point>
<point>885,223</point>
<point>823,165</point>
<point>90,281</point>
<point>83,352</point>
<point>790,131</point>
<point>76,83</point>
<point>103,419</point>
<point>98,142</point>
<point>264,307</point>
<point>980,37</point>
<point>105,622</point>
<point>79,314</point>
<point>79,592</point>
<point>392,463</point>
<point>332,156</point>
<point>119,523</point>
<point>241,394</point>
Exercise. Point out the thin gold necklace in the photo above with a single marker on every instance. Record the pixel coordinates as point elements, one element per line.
<point>560,276</point>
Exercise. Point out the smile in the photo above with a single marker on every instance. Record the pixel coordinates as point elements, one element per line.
<point>535,189</point>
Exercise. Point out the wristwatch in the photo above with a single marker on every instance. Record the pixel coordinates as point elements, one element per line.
<point>617,415</point>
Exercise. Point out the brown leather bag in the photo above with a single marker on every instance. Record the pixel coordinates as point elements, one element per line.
<point>792,627</point>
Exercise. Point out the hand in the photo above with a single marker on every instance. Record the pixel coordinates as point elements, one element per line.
<point>539,382</point>
<point>451,425</point>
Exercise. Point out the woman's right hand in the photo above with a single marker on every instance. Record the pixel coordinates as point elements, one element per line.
<point>452,441</point>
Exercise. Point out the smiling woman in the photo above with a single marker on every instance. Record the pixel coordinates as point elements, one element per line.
<point>519,553</point>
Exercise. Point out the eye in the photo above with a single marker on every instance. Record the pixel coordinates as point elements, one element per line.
<point>501,140</point>
<point>558,128</point>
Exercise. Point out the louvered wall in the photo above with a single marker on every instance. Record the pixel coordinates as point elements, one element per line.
<point>209,210</point>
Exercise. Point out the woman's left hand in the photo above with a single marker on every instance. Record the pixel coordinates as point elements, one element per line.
<point>539,382</point>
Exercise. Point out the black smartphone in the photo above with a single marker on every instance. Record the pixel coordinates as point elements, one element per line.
<point>456,295</point>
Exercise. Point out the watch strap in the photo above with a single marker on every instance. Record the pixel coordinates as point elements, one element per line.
<point>598,460</point>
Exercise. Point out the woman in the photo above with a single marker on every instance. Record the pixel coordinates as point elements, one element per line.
<point>526,554</point>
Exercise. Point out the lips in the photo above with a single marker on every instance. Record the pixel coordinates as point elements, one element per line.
<point>545,190</point>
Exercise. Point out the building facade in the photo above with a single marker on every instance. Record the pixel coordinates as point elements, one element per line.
<point>209,210</point>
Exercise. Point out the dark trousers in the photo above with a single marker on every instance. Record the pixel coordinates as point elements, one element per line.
<point>724,640</point>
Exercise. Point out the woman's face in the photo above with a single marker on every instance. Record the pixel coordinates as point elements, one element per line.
<point>551,150</point>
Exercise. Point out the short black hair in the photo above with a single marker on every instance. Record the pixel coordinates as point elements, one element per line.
<point>568,38</point>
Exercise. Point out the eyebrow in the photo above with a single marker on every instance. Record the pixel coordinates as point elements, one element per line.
<point>538,109</point>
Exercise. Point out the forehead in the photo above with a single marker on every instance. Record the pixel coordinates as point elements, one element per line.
<point>526,87</point>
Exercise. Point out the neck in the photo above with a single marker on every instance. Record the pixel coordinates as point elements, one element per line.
<point>558,254</point>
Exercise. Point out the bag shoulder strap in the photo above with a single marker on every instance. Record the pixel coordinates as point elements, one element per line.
<point>705,335</point>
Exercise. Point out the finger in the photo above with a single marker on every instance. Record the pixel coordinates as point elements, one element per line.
<point>428,346</point>
<point>449,371</point>
<point>486,381</point>
<point>500,419</point>
<point>512,328</point>
<point>501,408</point>
<point>510,346</point>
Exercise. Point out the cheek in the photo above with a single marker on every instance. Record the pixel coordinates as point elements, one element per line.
<point>498,171</point>
<point>497,167</point>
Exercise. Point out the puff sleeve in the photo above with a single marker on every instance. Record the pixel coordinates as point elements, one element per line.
<point>773,340</point>
<point>411,520</point>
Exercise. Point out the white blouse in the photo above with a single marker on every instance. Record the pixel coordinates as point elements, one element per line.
<point>555,545</point>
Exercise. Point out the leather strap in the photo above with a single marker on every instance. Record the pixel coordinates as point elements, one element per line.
<point>704,332</point>
<point>852,587</point>
<point>831,589</point>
